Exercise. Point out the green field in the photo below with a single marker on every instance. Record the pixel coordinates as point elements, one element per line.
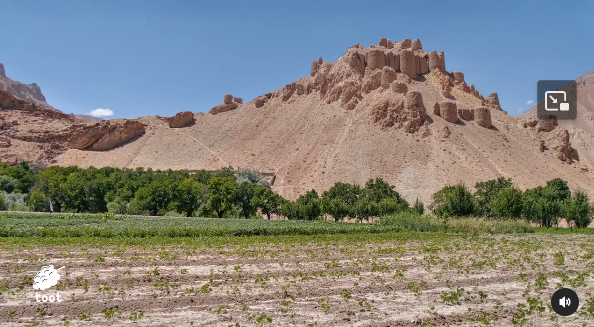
<point>109,226</point>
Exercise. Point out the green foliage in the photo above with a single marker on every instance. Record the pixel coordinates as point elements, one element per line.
<point>430,223</point>
<point>577,210</point>
<point>454,201</point>
<point>418,207</point>
<point>507,203</point>
<point>486,191</point>
<point>222,192</point>
<point>250,176</point>
<point>339,200</point>
<point>189,196</point>
<point>38,201</point>
<point>245,195</point>
<point>267,201</point>
<point>8,184</point>
<point>16,201</point>
<point>3,204</point>
<point>306,207</point>
<point>117,206</point>
<point>541,205</point>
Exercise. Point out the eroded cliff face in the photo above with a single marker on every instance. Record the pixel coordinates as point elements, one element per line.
<point>30,92</point>
<point>24,125</point>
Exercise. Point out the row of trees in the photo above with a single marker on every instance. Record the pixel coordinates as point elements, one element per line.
<point>229,194</point>
<point>500,198</point>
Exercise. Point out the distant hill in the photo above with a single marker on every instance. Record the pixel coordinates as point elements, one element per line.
<point>390,110</point>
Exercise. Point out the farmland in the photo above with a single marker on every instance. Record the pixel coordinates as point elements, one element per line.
<point>287,273</point>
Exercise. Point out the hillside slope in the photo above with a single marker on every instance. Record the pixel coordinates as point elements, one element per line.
<point>353,120</point>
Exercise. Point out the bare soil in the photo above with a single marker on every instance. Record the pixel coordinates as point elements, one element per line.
<point>441,281</point>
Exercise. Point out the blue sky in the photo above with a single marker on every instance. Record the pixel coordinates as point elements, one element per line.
<point>144,57</point>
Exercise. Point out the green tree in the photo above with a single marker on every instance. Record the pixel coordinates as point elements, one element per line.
<point>222,192</point>
<point>541,205</point>
<point>485,191</point>
<point>507,203</point>
<point>245,195</point>
<point>3,202</point>
<point>308,205</point>
<point>454,201</point>
<point>340,199</point>
<point>189,196</point>
<point>267,201</point>
<point>559,189</point>
<point>577,210</point>
<point>8,184</point>
<point>155,198</point>
<point>117,206</point>
<point>251,176</point>
<point>38,201</point>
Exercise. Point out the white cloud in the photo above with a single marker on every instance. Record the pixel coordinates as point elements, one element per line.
<point>529,102</point>
<point>101,112</point>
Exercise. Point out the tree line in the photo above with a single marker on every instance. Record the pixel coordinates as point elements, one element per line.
<point>246,194</point>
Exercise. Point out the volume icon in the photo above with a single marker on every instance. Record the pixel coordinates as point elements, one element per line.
<point>564,302</point>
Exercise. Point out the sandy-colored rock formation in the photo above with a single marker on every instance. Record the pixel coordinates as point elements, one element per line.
<point>558,141</point>
<point>482,117</point>
<point>448,111</point>
<point>466,114</point>
<point>104,135</point>
<point>401,112</point>
<point>547,123</point>
<point>493,101</point>
<point>416,45</point>
<point>229,103</point>
<point>181,119</point>
<point>399,87</point>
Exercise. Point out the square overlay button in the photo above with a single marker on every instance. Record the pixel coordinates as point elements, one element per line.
<point>556,98</point>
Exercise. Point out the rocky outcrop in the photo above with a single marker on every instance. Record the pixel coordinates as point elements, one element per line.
<point>104,135</point>
<point>458,77</point>
<point>416,45</point>
<point>407,63</point>
<point>229,103</point>
<point>8,101</point>
<point>482,117</point>
<point>547,123</point>
<point>558,141</point>
<point>376,59</point>
<point>406,44</point>
<point>448,111</point>
<point>493,101</point>
<point>406,113</point>
<point>388,76</point>
<point>181,119</point>
<point>466,114</point>
<point>399,87</point>
<point>29,92</point>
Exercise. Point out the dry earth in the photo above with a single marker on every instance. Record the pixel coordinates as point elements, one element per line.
<point>430,280</point>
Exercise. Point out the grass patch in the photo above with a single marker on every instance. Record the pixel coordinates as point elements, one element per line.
<point>470,226</point>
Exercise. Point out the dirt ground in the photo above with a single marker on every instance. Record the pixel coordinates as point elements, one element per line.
<point>406,281</point>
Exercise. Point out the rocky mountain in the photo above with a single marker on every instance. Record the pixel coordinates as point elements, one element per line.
<point>29,92</point>
<point>579,132</point>
<point>390,110</point>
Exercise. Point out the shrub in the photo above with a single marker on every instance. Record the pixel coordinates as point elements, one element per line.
<point>8,184</point>
<point>454,201</point>
<point>485,191</point>
<point>507,203</point>
<point>577,210</point>
<point>38,201</point>
<point>251,176</point>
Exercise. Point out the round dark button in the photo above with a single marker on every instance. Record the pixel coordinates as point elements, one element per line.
<point>565,302</point>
